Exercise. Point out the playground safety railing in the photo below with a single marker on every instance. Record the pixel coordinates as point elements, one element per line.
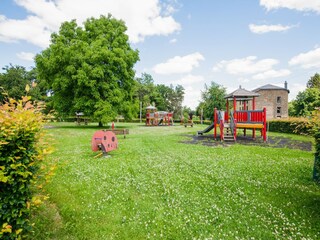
<point>249,116</point>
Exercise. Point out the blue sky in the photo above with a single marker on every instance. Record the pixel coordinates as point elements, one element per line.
<point>249,43</point>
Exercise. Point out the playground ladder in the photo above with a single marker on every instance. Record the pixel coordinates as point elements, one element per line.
<point>228,133</point>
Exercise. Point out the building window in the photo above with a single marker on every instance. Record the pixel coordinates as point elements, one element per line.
<point>278,111</point>
<point>278,99</point>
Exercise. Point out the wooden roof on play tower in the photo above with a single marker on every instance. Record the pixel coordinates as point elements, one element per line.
<point>241,94</point>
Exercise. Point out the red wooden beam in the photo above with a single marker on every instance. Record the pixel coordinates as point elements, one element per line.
<point>215,116</point>
<point>254,108</point>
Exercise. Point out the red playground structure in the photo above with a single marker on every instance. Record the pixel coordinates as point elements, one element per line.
<point>105,141</point>
<point>158,118</point>
<point>229,123</point>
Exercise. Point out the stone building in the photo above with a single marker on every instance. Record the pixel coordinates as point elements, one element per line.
<point>275,99</point>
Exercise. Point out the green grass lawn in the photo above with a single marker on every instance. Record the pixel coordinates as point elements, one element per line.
<point>156,187</point>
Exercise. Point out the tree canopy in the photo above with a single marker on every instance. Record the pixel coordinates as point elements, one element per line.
<point>13,82</point>
<point>165,98</point>
<point>308,100</point>
<point>89,69</point>
<point>212,97</point>
<point>305,102</point>
<point>314,81</point>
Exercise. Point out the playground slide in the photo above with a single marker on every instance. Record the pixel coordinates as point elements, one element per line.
<point>208,129</point>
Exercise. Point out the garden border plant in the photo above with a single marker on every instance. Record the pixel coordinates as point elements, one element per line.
<point>21,151</point>
<point>316,132</point>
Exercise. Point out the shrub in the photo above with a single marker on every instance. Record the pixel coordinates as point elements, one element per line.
<point>20,153</point>
<point>316,133</point>
<point>302,126</point>
<point>316,168</point>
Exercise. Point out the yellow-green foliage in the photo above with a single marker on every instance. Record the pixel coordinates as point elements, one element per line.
<point>20,154</point>
<point>301,126</point>
<point>316,130</point>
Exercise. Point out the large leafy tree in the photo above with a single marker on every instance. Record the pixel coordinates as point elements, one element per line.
<point>13,83</point>
<point>212,97</point>
<point>165,98</point>
<point>145,90</point>
<point>176,99</point>
<point>162,97</point>
<point>169,98</point>
<point>314,81</point>
<point>90,69</point>
<point>305,102</point>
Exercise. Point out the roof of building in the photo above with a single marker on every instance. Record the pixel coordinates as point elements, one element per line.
<point>151,107</point>
<point>242,93</point>
<point>270,87</point>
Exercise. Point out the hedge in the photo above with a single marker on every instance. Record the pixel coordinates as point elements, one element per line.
<point>316,131</point>
<point>301,126</point>
<point>20,154</point>
<point>316,168</point>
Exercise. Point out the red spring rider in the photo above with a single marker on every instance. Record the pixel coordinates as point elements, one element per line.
<point>105,141</point>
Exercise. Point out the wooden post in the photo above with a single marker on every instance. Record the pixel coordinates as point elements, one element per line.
<point>140,112</point>
<point>221,130</point>
<point>227,110</point>
<point>235,130</point>
<point>215,123</point>
<point>254,108</point>
<point>264,124</point>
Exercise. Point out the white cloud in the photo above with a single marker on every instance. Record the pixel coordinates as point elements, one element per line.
<point>248,65</point>
<point>295,88</point>
<point>26,56</point>
<point>307,60</point>
<point>192,97</point>
<point>260,29</point>
<point>179,64</point>
<point>272,74</point>
<point>259,69</point>
<point>243,80</point>
<point>299,5</point>
<point>174,40</point>
<point>143,18</point>
<point>189,80</point>
<point>31,29</point>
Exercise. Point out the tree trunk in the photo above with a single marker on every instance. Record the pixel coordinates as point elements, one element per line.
<point>100,124</point>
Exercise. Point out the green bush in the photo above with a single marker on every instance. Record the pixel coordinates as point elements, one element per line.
<point>301,126</point>
<point>20,154</point>
<point>205,122</point>
<point>316,168</point>
<point>316,133</point>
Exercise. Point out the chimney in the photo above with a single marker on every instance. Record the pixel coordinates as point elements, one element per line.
<point>285,85</point>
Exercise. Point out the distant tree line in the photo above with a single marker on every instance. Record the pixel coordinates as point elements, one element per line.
<point>164,98</point>
<point>89,69</point>
<point>14,79</point>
